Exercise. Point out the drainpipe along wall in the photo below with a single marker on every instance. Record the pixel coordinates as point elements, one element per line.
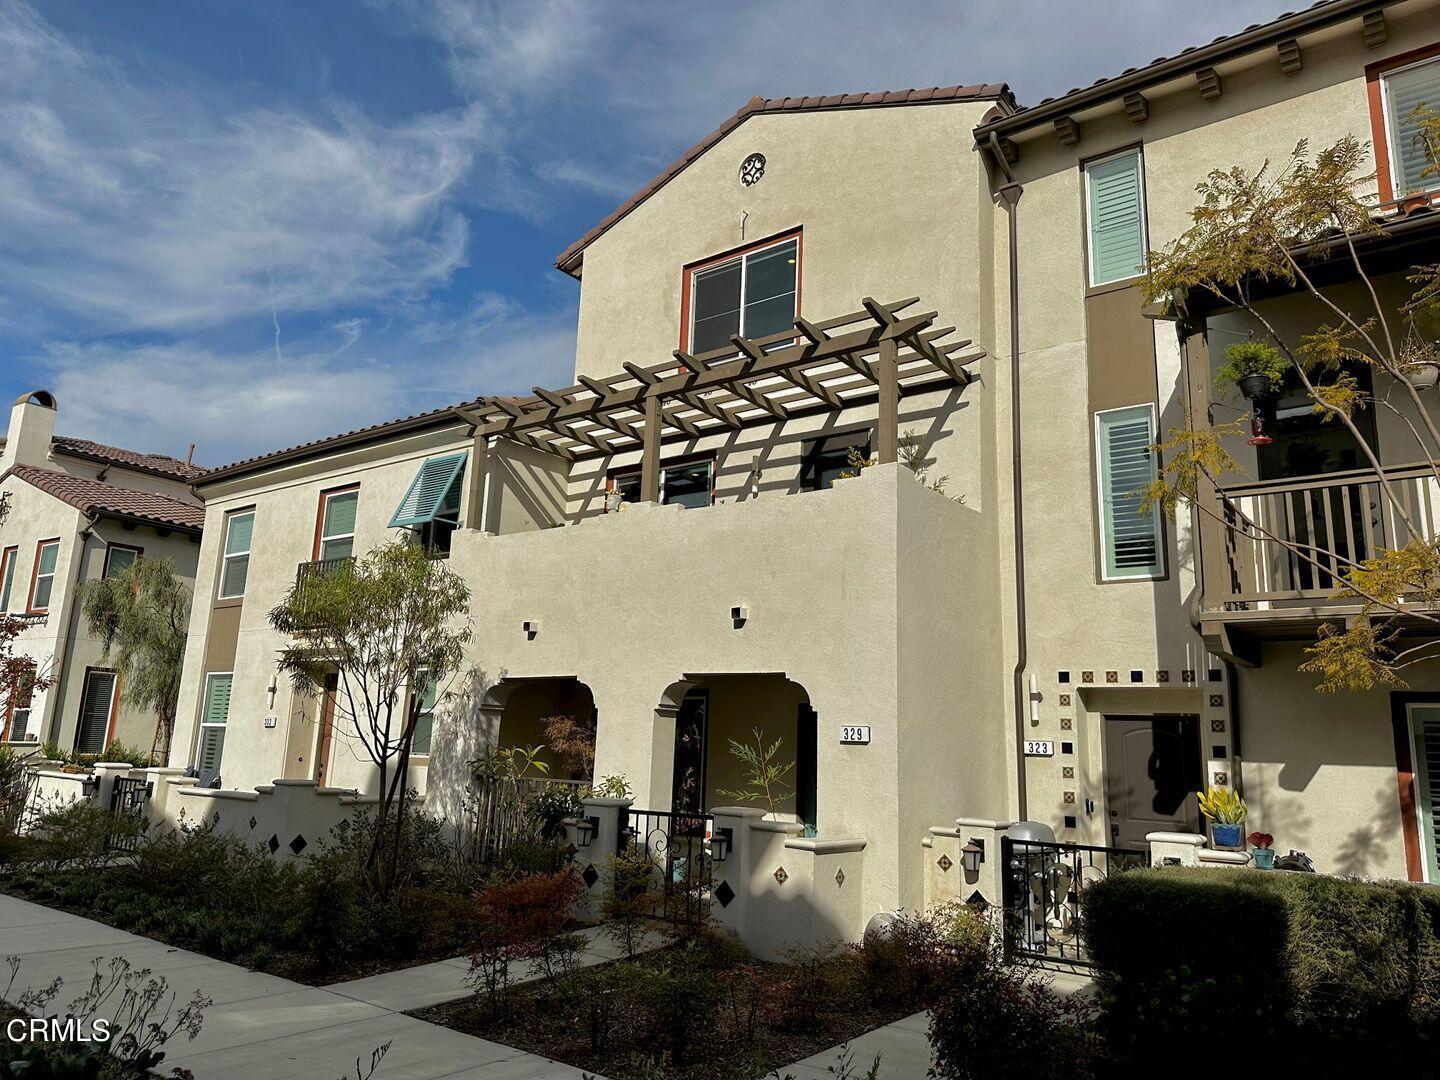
<point>1010,194</point>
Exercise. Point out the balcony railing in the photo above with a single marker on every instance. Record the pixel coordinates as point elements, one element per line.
<point>1337,519</point>
<point>309,571</point>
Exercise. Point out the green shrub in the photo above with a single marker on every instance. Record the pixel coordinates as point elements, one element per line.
<point>1346,972</point>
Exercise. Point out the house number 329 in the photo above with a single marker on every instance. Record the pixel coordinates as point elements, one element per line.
<point>855,735</point>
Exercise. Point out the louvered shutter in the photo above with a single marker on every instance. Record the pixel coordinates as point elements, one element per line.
<point>212,727</point>
<point>1132,539</point>
<point>95,712</point>
<point>1117,219</point>
<point>434,493</point>
<point>1404,90</point>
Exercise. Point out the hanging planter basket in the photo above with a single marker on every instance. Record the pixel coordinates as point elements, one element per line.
<point>1254,387</point>
<point>1424,376</point>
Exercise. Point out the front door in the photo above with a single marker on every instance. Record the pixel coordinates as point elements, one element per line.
<point>692,733</point>
<point>326,738</point>
<point>1153,771</point>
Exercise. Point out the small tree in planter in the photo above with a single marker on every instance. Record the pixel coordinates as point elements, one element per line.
<point>1264,853</point>
<point>385,626</point>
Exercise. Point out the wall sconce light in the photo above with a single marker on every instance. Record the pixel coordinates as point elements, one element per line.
<point>90,785</point>
<point>720,843</point>
<point>585,831</point>
<point>274,685</point>
<point>972,855</point>
<point>1035,699</point>
<point>739,615</point>
<point>531,627</point>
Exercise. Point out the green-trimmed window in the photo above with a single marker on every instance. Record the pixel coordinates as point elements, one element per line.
<point>1130,539</point>
<point>96,704</point>
<point>431,506</point>
<point>215,714</point>
<point>8,558</point>
<point>337,524</point>
<point>1404,89</point>
<point>1115,211</point>
<point>425,722</point>
<point>235,566</point>
<point>41,588</point>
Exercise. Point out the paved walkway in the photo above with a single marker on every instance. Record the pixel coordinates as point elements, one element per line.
<point>260,1025</point>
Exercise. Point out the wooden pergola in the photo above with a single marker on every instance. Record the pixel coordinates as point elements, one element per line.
<point>872,354</point>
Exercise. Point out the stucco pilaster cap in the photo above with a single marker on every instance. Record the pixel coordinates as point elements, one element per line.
<point>600,800</point>
<point>981,823</point>
<point>738,811</point>
<point>1194,839</point>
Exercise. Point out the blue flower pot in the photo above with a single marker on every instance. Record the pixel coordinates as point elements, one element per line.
<point>1264,858</point>
<point>1225,836</point>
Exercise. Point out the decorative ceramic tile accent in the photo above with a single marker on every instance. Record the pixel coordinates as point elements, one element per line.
<point>1162,676</point>
<point>1087,676</point>
<point>1069,796</point>
<point>1062,677</point>
<point>299,844</point>
<point>1067,748</point>
<point>252,823</point>
<point>1112,676</point>
<point>724,893</point>
<point>1137,676</point>
<point>1188,675</point>
<point>1066,723</point>
<point>978,902</point>
<point>1069,821</point>
<point>1217,700</point>
<point>591,875</point>
<point>781,876</point>
<point>839,877</point>
<point>1214,674</point>
<point>1222,779</point>
<point>273,844</point>
<point>944,863</point>
<point>1068,772</point>
<point>217,817</point>
<point>1217,723</point>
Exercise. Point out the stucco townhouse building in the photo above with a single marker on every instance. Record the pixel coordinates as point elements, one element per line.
<point>717,527</point>
<point>71,511</point>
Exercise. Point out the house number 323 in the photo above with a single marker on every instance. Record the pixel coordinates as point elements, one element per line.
<point>855,735</point>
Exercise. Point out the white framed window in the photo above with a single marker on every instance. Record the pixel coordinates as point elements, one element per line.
<point>42,585</point>
<point>235,564</point>
<point>1131,541</point>
<point>97,704</point>
<point>20,698</point>
<point>752,294</point>
<point>688,483</point>
<point>1115,216</point>
<point>214,715</point>
<point>1402,89</point>
<point>337,524</point>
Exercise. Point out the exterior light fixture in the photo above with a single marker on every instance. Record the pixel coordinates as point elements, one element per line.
<point>972,855</point>
<point>530,627</point>
<point>720,842</point>
<point>90,785</point>
<point>585,831</point>
<point>739,616</point>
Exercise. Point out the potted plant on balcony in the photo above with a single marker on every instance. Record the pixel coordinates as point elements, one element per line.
<point>1264,852</point>
<point>1226,811</point>
<point>1256,368</point>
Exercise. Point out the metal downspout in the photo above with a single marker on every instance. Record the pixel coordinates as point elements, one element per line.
<point>1010,193</point>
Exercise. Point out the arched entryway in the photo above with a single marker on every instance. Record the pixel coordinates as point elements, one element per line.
<point>551,719</point>
<point>737,739</point>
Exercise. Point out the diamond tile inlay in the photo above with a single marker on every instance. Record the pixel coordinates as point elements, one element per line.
<point>1068,772</point>
<point>780,875</point>
<point>944,863</point>
<point>590,876</point>
<point>1069,796</point>
<point>299,844</point>
<point>839,878</point>
<point>1188,675</point>
<point>252,822</point>
<point>1162,676</point>
<point>1217,700</point>
<point>1112,676</point>
<point>1087,676</point>
<point>1064,700</point>
<point>273,844</point>
<point>1222,779</point>
<point>1066,723</point>
<point>1217,723</point>
<point>724,893</point>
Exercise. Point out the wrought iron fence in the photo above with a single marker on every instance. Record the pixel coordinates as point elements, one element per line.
<point>506,810</point>
<point>127,803</point>
<point>17,785</point>
<point>675,843</point>
<point>1043,883</point>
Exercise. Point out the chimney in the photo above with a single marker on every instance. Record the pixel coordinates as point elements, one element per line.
<point>32,425</point>
<point>190,455</point>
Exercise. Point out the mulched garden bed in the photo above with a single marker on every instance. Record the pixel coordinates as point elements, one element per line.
<point>693,1012</point>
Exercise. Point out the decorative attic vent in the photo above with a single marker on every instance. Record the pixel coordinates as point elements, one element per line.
<point>752,170</point>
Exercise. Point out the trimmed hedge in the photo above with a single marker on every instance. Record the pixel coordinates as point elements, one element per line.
<point>1342,972</point>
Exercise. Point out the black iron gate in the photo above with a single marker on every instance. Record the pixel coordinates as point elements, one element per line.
<point>1043,883</point>
<point>675,844</point>
<point>127,805</point>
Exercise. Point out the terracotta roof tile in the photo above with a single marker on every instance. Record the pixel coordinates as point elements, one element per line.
<point>998,92</point>
<point>160,464</point>
<point>98,497</point>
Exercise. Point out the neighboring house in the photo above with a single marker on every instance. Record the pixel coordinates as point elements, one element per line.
<point>674,547</point>
<point>71,511</point>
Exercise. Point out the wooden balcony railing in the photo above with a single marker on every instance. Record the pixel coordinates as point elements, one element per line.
<point>1339,518</point>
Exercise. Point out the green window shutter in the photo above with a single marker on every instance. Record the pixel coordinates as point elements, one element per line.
<point>213,717</point>
<point>95,712</point>
<point>1117,219</point>
<point>207,758</point>
<point>217,699</point>
<point>1404,90</point>
<point>434,493</point>
<point>1425,719</point>
<point>1131,539</point>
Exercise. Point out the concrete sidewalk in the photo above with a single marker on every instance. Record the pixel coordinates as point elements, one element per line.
<point>260,1025</point>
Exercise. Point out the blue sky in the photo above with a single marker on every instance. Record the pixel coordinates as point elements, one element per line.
<point>246,225</point>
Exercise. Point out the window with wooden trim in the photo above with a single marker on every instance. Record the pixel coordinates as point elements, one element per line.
<point>235,562</point>
<point>119,558</point>
<point>1115,216</point>
<point>1406,91</point>
<point>337,524</point>
<point>19,699</point>
<point>42,581</point>
<point>682,483</point>
<point>97,706</point>
<point>751,293</point>
<point>1130,539</point>
<point>8,558</point>
<point>214,716</point>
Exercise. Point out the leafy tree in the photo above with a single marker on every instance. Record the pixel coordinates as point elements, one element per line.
<point>20,676</point>
<point>385,627</point>
<point>1254,228</point>
<point>142,616</point>
<point>767,775</point>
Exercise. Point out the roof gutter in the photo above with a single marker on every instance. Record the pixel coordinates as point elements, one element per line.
<point>1271,33</point>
